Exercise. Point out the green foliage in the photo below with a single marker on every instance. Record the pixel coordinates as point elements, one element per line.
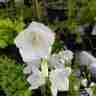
<point>12,80</point>
<point>94,90</point>
<point>87,11</point>
<point>72,8</point>
<point>8,31</point>
<point>73,85</point>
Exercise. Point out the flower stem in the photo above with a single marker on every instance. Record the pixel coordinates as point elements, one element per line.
<point>44,68</point>
<point>37,9</point>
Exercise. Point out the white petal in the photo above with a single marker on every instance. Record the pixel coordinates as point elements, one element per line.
<point>55,61</point>
<point>86,58</point>
<point>41,28</point>
<point>27,70</point>
<point>66,55</point>
<point>32,66</point>
<point>36,80</point>
<point>59,79</point>
<point>28,53</point>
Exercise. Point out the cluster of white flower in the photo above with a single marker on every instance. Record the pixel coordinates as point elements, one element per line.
<point>86,59</point>
<point>35,44</point>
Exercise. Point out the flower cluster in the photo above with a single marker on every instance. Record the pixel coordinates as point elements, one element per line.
<point>35,45</point>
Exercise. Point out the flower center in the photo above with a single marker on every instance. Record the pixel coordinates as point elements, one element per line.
<point>36,39</point>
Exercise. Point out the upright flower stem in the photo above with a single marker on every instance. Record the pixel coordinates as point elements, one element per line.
<point>36,9</point>
<point>44,70</point>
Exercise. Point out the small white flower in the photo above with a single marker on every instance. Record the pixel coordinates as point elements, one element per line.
<point>66,55</point>
<point>86,58</point>
<point>59,80</point>
<point>35,41</point>
<point>59,60</point>
<point>36,76</point>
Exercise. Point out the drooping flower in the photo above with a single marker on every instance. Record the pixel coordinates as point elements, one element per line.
<point>35,41</point>
<point>58,74</point>
<point>59,80</point>
<point>86,58</point>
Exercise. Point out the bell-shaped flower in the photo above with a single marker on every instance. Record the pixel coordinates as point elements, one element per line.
<point>59,80</point>
<point>86,58</point>
<point>35,41</point>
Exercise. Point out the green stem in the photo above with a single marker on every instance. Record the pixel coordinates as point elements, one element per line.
<point>37,9</point>
<point>44,70</point>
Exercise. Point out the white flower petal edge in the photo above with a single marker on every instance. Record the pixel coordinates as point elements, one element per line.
<point>36,80</point>
<point>35,41</point>
<point>55,61</point>
<point>32,66</point>
<point>59,79</point>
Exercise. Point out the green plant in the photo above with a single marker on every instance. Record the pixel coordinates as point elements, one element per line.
<point>87,11</point>
<point>12,80</point>
<point>8,31</point>
<point>74,86</point>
